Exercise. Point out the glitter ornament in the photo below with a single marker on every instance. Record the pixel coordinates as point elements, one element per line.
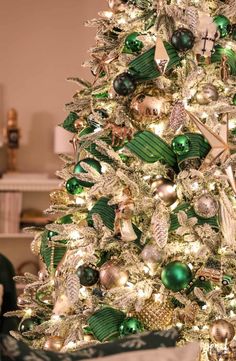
<point>54,343</point>
<point>112,275</point>
<point>155,315</point>
<point>207,94</point>
<point>124,84</point>
<point>132,43</point>
<point>59,197</point>
<point>130,326</point>
<point>182,39</point>
<point>181,144</point>
<point>176,276</point>
<point>222,331</point>
<point>206,206</point>
<point>165,190</point>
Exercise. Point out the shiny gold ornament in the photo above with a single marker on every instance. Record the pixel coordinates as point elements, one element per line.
<point>207,94</point>
<point>59,197</point>
<point>112,275</point>
<point>78,124</point>
<point>221,331</point>
<point>165,190</point>
<point>147,108</point>
<point>220,148</point>
<point>54,343</point>
<point>155,315</point>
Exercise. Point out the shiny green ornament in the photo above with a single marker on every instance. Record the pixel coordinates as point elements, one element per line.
<point>124,158</point>
<point>181,144</point>
<point>51,234</point>
<point>79,169</point>
<point>176,276</point>
<point>73,186</point>
<point>88,276</point>
<point>28,324</point>
<point>223,25</point>
<point>132,44</point>
<point>234,99</point>
<point>67,219</point>
<point>130,326</point>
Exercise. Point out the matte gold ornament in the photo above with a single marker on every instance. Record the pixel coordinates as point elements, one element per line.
<point>206,206</point>
<point>112,275</point>
<point>207,94</point>
<point>155,315</point>
<point>161,56</point>
<point>220,148</point>
<point>148,108</point>
<point>59,197</point>
<point>222,331</point>
<point>54,343</point>
<point>165,190</point>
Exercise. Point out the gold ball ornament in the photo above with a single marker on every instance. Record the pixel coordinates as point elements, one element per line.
<point>147,109</point>
<point>59,197</point>
<point>206,206</point>
<point>221,331</point>
<point>54,343</point>
<point>165,190</point>
<point>112,275</point>
<point>207,94</point>
<point>155,315</point>
<point>78,124</point>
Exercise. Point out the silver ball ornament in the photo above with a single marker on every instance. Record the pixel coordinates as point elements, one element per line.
<point>206,206</point>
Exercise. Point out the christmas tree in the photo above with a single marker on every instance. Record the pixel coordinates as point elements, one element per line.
<point>144,236</point>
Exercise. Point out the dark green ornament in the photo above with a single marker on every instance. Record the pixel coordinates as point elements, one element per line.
<point>176,276</point>
<point>181,144</point>
<point>79,169</point>
<point>73,186</point>
<point>67,219</point>
<point>130,326</point>
<point>124,84</point>
<point>28,324</point>
<point>223,24</point>
<point>182,39</point>
<point>132,44</point>
<point>234,99</point>
<point>88,276</point>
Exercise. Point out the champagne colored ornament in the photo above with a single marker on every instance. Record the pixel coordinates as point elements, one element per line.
<point>59,197</point>
<point>155,315</point>
<point>130,326</point>
<point>54,343</point>
<point>112,275</point>
<point>207,94</point>
<point>148,108</point>
<point>161,56</point>
<point>206,206</point>
<point>176,276</point>
<point>151,255</point>
<point>222,331</point>
<point>165,190</point>
<point>223,25</point>
<point>181,144</point>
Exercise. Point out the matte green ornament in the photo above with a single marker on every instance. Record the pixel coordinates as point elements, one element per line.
<point>28,324</point>
<point>223,24</point>
<point>176,276</point>
<point>88,276</point>
<point>79,169</point>
<point>234,99</point>
<point>132,44</point>
<point>105,324</point>
<point>73,186</point>
<point>130,326</point>
<point>182,39</point>
<point>181,144</point>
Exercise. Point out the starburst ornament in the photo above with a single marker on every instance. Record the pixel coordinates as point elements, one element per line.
<point>220,148</point>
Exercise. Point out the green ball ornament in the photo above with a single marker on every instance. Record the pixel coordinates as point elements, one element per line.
<point>67,219</point>
<point>124,84</point>
<point>130,326</point>
<point>223,25</point>
<point>176,276</point>
<point>28,324</point>
<point>73,186</point>
<point>181,144</point>
<point>234,100</point>
<point>88,276</point>
<point>182,39</point>
<point>79,169</point>
<point>132,44</point>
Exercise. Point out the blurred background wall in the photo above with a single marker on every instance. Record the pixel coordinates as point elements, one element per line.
<point>42,43</point>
